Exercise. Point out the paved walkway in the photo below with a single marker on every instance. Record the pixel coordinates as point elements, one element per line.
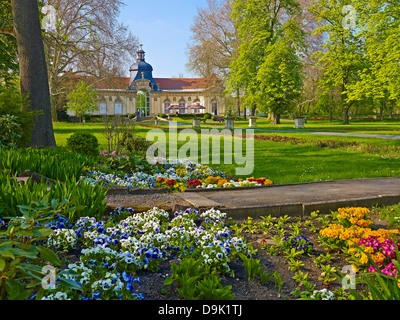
<point>343,134</point>
<point>296,199</point>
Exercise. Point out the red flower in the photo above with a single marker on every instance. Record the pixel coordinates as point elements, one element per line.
<point>170,182</point>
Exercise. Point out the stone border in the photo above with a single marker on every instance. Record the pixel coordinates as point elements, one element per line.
<point>296,209</point>
<point>277,210</point>
<point>136,191</point>
<point>280,185</point>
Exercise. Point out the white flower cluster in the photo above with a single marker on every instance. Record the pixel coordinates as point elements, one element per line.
<point>111,282</point>
<point>323,294</point>
<point>56,296</point>
<point>62,240</point>
<point>188,170</point>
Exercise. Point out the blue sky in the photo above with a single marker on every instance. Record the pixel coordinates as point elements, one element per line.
<point>163,27</point>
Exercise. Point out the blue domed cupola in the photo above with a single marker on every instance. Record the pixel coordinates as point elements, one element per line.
<point>142,70</point>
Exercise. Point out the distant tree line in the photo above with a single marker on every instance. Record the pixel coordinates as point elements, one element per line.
<point>291,57</point>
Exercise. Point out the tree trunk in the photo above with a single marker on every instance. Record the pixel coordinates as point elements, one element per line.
<point>238,101</point>
<point>33,69</point>
<point>276,118</point>
<point>345,112</point>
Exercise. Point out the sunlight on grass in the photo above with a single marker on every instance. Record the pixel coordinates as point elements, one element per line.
<point>284,162</point>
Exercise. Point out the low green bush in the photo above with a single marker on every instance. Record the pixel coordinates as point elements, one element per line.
<point>83,143</point>
<point>55,163</point>
<point>135,144</point>
<point>13,103</point>
<point>23,258</point>
<point>10,129</point>
<point>89,201</point>
<point>163,115</point>
<point>197,282</point>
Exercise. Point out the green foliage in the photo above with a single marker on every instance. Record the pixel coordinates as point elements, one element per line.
<point>254,269</point>
<point>341,57</point>
<point>133,143</point>
<point>163,115</point>
<point>207,116</point>
<point>54,163</point>
<point>83,143</point>
<point>15,104</point>
<point>83,100</point>
<point>391,214</point>
<point>378,23</point>
<point>377,285</point>
<point>87,200</point>
<point>21,256</point>
<point>9,67</point>
<point>9,131</point>
<point>266,66</point>
<point>131,164</point>
<point>280,78</point>
<point>195,282</point>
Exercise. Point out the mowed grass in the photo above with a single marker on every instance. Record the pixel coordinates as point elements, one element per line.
<point>280,162</point>
<point>388,126</point>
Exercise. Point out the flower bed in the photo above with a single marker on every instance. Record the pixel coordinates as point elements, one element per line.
<point>114,250</point>
<point>355,235</point>
<point>177,175</point>
<point>111,258</point>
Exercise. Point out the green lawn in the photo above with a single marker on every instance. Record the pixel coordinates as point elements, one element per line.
<point>389,126</point>
<point>287,163</point>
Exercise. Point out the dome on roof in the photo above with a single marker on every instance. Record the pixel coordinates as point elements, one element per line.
<point>141,65</point>
<point>142,70</point>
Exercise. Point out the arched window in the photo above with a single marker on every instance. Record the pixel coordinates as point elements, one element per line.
<point>166,104</point>
<point>143,103</point>
<point>182,103</point>
<point>118,107</point>
<point>103,108</point>
<point>214,107</point>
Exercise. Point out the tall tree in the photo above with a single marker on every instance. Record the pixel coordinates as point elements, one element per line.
<point>214,40</point>
<point>379,27</point>
<point>265,28</point>
<point>83,100</point>
<point>281,79</point>
<point>341,57</point>
<point>87,40</point>
<point>8,46</point>
<point>33,69</point>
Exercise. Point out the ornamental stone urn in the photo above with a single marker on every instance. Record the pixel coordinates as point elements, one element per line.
<point>196,123</point>
<point>252,122</point>
<point>299,123</point>
<point>229,123</point>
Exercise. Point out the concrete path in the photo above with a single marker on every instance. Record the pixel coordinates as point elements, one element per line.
<point>342,134</point>
<point>297,199</point>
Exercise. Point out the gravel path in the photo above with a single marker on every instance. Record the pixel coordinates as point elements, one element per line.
<point>166,201</point>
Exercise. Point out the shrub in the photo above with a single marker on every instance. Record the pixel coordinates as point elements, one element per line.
<point>135,144</point>
<point>88,200</point>
<point>207,116</point>
<point>53,163</point>
<point>9,131</point>
<point>12,102</point>
<point>84,143</point>
<point>163,115</point>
